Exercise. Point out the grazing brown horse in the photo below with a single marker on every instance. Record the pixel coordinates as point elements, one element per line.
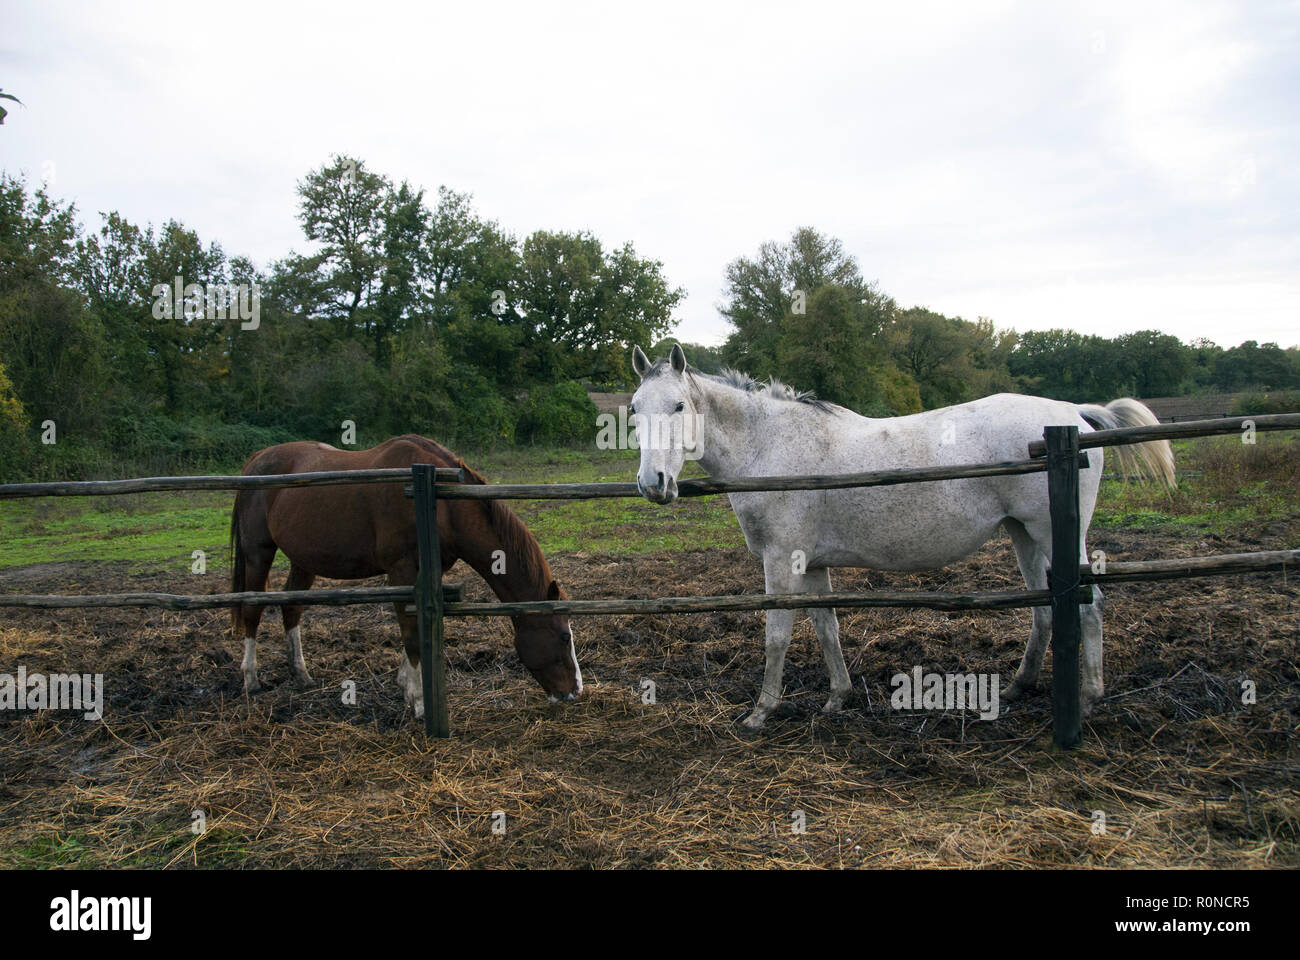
<point>352,531</point>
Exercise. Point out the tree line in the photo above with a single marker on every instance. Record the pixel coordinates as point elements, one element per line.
<point>128,348</point>
<point>801,311</point>
<point>410,313</point>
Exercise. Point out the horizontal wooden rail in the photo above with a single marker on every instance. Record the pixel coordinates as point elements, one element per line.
<point>1223,564</point>
<point>762,601</point>
<point>1116,572</point>
<point>108,488</point>
<point>210,601</point>
<point>711,486</point>
<point>1175,431</point>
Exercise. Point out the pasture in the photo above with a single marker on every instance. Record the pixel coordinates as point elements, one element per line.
<point>1184,773</point>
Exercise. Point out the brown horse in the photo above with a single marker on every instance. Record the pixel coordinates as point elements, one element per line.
<point>352,531</point>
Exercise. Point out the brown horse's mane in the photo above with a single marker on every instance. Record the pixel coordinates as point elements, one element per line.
<point>516,539</point>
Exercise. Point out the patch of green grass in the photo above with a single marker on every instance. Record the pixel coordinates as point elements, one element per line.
<point>631,526</point>
<point>158,532</point>
<point>1222,483</point>
<point>46,853</point>
<point>155,847</point>
<point>151,530</point>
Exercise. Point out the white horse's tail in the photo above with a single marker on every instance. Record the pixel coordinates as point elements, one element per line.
<point>1153,460</point>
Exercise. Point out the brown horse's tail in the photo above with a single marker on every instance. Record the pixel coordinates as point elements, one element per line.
<point>237,577</point>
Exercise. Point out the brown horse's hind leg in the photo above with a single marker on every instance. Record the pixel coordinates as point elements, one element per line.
<point>299,579</point>
<point>254,552</point>
<point>257,567</point>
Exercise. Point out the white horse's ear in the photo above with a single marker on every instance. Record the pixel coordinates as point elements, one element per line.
<point>640,363</point>
<point>677,358</point>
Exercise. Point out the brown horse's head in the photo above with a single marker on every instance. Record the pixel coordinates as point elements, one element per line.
<point>545,646</point>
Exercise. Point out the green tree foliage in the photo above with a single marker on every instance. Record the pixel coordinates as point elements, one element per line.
<point>834,349</point>
<point>950,359</point>
<point>582,306</point>
<point>407,312</point>
<point>780,282</point>
<point>803,312</point>
<point>15,445</point>
<point>851,344</point>
<point>557,414</point>
<point>399,316</point>
<point>704,358</point>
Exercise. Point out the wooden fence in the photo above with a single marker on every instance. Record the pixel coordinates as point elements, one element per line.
<point>1058,454</point>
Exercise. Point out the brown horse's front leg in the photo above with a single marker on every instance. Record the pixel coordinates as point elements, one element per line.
<point>408,669</point>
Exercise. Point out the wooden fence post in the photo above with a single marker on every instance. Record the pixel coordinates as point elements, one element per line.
<point>429,600</point>
<point>1063,580</point>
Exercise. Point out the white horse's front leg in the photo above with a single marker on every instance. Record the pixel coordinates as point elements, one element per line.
<point>780,626</point>
<point>781,578</point>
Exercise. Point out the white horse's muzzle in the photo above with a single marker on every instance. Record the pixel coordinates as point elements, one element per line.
<point>664,492</point>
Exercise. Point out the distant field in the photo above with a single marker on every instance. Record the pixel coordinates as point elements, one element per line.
<point>1236,483</point>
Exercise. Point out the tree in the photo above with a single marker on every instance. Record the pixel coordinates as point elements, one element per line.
<point>952,360</point>
<point>343,207</point>
<point>52,348</point>
<point>781,280</point>
<point>1159,365</point>
<point>832,350</point>
<point>583,309</point>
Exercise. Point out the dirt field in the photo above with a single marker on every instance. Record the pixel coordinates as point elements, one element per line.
<point>1185,773</point>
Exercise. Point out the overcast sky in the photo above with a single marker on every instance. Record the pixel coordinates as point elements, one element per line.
<point>1104,168</point>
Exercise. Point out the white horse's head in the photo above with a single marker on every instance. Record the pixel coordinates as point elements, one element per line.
<point>667,424</point>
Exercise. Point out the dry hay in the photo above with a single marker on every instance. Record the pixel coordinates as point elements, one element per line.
<point>1186,774</point>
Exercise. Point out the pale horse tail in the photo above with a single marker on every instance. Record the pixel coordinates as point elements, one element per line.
<point>1153,460</point>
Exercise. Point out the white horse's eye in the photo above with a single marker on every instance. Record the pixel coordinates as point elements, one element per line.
<point>681,406</point>
<point>631,410</point>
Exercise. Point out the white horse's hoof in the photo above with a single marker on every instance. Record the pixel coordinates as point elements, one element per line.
<point>303,679</point>
<point>254,687</point>
<point>754,721</point>
<point>1014,690</point>
<point>835,704</point>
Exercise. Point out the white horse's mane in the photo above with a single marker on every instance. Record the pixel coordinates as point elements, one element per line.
<point>739,380</point>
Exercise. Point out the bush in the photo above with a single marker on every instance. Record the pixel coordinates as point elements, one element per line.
<point>1282,401</point>
<point>557,415</point>
<point>15,455</point>
<point>153,443</point>
<point>484,419</point>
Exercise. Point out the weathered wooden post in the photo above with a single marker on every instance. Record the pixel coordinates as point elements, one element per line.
<point>428,600</point>
<point>1063,580</point>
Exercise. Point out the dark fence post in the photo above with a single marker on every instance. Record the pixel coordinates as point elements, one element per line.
<point>428,601</point>
<point>1063,580</point>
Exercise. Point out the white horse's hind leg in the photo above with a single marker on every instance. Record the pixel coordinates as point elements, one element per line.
<point>1090,621</point>
<point>781,578</point>
<point>1032,559</point>
<point>827,626</point>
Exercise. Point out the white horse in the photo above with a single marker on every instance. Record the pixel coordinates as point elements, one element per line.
<point>737,427</point>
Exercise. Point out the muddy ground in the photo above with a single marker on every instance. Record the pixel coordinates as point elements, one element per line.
<point>1184,773</point>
